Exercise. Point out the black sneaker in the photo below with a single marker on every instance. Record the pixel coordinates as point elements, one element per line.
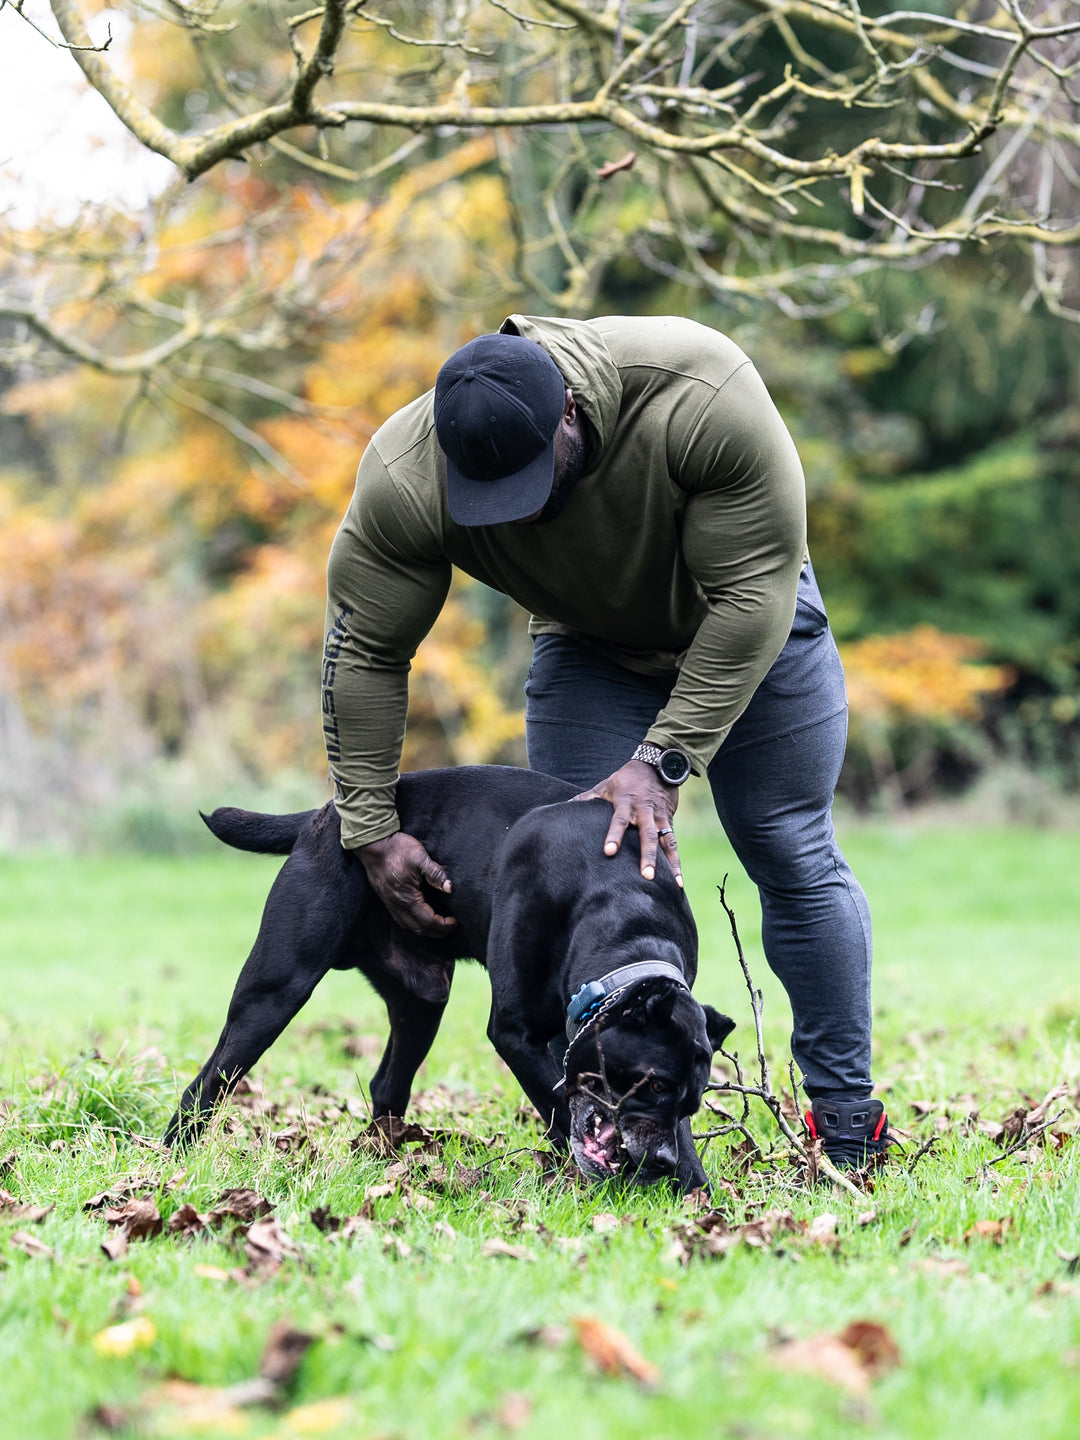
<point>852,1132</point>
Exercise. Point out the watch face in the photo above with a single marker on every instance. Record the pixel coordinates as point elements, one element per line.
<point>674,766</point>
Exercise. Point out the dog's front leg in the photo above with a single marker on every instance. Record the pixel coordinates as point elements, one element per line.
<point>689,1173</point>
<point>537,1074</point>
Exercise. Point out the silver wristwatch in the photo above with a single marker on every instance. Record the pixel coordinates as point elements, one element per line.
<point>673,766</point>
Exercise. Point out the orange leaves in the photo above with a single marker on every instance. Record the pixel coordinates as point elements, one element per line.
<point>921,673</point>
<point>611,1352</point>
<point>863,1351</point>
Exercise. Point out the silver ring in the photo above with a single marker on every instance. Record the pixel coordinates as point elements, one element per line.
<point>670,830</point>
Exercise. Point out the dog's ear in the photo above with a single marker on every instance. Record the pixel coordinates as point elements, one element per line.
<point>718,1027</point>
<point>659,1006</point>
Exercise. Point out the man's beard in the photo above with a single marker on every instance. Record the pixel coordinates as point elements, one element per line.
<point>565,482</point>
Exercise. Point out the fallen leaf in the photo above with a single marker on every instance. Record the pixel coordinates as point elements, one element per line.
<point>760,1233</point>
<point>605,1224</point>
<point>513,1410</point>
<point>137,1220</point>
<point>121,1340</point>
<point>551,1336</point>
<point>187,1222</point>
<point>13,1209</point>
<point>822,1231</point>
<point>211,1272</point>
<point>942,1265</point>
<point>110,1418</point>
<point>320,1417</point>
<point>873,1344</point>
<point>242,1205</point>
<point>611,1351</point>
<point>907,1235</point>
<point>25,1242</point>
<point>211,1407</point>
<point>496,1248</point>
<point>266,1245</point>
<point>379,1192</point>
<point>866,1217</point>
<point>827,1357</point>
<point>993,1231</point>
<point>285,1348</point>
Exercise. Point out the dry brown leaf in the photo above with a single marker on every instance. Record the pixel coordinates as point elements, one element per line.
<point>25,1242</point>
<point>863,1351</point>
<point>187,1222</point>
<point>605,1224</point>
<point>496,1249</point>
<point>551,1336</point>
<point>513,1410</point>
<point>942,1265</point>
<point>994,1231</point>
<point>822,1230</point>
<point>242,1205</point>
<point>211,1272</point>
<point>13,1209</point>
<point>285,1348</point>
<point>210,1407</point>
<point>110,1418</point>
<point>266,1245</point>
<point>873,1343</point>
<point>379,1192</point>
<point>611,1351</point>
<point>827,1357</point>
<point>139,1219</point>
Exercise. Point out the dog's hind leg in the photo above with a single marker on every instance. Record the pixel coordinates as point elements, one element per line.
<point>413,1026</point>
<point>307,922</point>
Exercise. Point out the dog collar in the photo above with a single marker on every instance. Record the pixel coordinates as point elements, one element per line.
<point>597,996</point>
<point>587,1003</point>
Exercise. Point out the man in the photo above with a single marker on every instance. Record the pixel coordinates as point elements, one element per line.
<point>629,482</point>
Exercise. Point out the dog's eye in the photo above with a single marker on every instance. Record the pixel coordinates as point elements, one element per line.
<point>659,1086</point>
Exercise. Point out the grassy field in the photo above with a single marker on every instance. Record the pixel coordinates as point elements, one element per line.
<point>469,1291</point>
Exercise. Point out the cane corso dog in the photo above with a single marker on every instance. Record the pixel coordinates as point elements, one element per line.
<point>590,965</point>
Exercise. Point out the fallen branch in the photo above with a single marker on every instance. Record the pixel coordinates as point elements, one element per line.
<point>763,1091</point>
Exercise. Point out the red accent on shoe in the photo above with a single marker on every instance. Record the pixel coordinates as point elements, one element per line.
<point>809,1118</point>
<point>880,1125</point>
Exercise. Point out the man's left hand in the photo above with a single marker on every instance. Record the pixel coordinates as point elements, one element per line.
<point>640,798</point>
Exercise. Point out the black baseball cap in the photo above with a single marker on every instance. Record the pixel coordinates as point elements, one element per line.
<point>498,402</point>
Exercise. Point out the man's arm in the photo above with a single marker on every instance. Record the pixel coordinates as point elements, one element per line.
<point>381,602</point>
<point>744,541</point>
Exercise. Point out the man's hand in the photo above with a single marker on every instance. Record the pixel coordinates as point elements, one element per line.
<point>640,798</point>
<point>396,868</point>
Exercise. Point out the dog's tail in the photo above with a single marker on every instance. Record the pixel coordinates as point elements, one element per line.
<point>265,834</point>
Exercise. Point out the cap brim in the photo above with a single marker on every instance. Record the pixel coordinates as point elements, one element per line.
<point>496,502</point>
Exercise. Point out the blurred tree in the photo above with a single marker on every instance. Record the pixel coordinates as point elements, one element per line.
<point>862,196</point>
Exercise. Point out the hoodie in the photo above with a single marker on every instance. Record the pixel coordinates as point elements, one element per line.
<point>679,551</point>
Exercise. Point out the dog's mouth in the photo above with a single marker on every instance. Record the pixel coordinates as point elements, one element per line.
<point>600,1144</point>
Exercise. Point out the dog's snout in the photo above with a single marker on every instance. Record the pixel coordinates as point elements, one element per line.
<point>666,1155</point>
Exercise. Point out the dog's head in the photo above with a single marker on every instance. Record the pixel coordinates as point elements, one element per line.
<point>635,1072</point>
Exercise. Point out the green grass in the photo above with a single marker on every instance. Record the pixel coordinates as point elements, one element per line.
<point>115,977</point>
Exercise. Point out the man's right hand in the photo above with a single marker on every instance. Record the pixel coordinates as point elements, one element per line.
<point>396,867</point>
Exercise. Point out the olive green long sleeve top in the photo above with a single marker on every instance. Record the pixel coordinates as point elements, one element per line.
<point>679,550</point>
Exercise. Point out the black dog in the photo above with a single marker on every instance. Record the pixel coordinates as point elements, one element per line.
<point>552,918</point>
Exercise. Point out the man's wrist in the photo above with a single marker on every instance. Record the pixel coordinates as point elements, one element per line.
<point>671,764</point>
